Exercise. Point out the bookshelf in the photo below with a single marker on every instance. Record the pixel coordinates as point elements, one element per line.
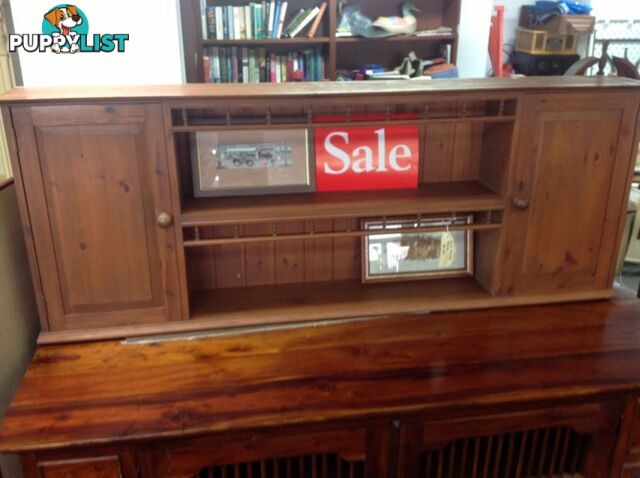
<point>340,53</point>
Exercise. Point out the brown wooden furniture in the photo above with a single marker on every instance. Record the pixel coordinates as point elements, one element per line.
<point>342,53</point>
<point>120,247</point>
<point>513,392</point>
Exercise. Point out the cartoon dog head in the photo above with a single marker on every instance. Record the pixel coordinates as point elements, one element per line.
<point>64,18</point>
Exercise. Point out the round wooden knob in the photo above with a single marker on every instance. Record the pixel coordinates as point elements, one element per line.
<point>164,220</point>
<point>521,204</point>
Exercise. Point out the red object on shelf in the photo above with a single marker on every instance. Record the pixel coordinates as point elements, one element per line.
<point>366,157</point>
<point>496,41</point>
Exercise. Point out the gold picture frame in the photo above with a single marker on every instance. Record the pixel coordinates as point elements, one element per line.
<point>397,254</point>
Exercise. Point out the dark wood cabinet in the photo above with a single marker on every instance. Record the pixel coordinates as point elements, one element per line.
<point>121,247</point>
<point>571,170</point>
<point>96,178</point>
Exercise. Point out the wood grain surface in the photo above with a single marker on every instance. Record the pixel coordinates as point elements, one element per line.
<point>310,89</point>
<point>111,392</point>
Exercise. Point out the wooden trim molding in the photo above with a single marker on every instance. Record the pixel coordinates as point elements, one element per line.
<point>6,183</point>
<point>311,90</point>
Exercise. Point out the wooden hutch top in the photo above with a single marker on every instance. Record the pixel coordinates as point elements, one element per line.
<point>309,90</point>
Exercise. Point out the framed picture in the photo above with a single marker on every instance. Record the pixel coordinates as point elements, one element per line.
<point>398,254</point>
<point>232,163</point>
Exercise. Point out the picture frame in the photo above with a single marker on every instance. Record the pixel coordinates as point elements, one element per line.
<point>251,162</point>
<point>404,255</point>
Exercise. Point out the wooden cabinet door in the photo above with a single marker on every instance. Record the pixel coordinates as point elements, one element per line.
<point>269,454</point>
<point>96,182</point>
<point>567,441</point>
<point>572,177</point>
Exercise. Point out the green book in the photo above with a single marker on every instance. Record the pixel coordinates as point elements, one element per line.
<point>297,20</point>
<point>259,33</point>
<point>265,18</point>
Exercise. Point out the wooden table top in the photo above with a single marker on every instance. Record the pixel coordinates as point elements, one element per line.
<point>309,89</point>
<point>109,391</point>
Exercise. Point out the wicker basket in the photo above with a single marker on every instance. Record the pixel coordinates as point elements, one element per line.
<point>540,42</point>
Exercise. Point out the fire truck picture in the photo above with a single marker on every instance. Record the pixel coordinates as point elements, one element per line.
<point>254,155</point>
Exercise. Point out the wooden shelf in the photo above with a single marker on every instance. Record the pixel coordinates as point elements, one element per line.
<point>332,300</point>
<point>462,196</point>
<point>268,42</point>
<point>398,39</point>
<point>298,303</point>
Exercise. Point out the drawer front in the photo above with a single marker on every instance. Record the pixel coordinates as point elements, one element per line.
<point>106,467</point>
<point>330,453</point>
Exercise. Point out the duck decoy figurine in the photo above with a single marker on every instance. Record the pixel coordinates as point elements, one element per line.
<point>404,25</point>
<point>354,22</point>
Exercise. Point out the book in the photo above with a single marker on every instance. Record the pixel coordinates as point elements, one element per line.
<point>278,70</point>
<point>252,66</point>
<point>206,67</point>
<point>211,23</point>
<point>242,29</point>
<point>203,18</point>
<point>272,68</point>
<point>220,27</point>
<point>237,31</point>
<point>272,12</point>
<point>262,65</point>
<point>245,65</point>
<point>256,66</point>
<point>248,22</point>
<point>224,71</point>
<point>305,21</point>
<point>215,65</point>
<point>283,14</point>
<point>314,28</point>
<point>319,66</point>
<point>297,18</point>
<point>276,19</point>
<point>254,20</point>
<point>229,24</point>
<point>235,66</point>
<point>265,18</point>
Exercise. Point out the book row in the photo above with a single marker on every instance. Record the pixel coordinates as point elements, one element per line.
<point>256,65</point>
<point>257,21</point>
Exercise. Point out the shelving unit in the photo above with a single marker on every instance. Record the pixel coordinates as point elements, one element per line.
<point>294,257</point>
<point>342,53</point>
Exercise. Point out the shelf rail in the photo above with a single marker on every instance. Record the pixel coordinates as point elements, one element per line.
<point>186,120</point>
<point>197,236</point>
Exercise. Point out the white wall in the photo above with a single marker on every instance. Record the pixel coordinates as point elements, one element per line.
<point>153,54</point>
<point>473,47</point>
<point>511,18</point>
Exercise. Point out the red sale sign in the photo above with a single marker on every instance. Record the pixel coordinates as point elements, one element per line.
<point>367,157</point>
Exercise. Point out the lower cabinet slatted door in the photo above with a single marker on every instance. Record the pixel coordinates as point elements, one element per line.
<point>573,441</point>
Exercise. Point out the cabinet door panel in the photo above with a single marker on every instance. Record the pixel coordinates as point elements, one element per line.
<point>330,454</point>
<point>567,441</point>
<point>94,193</point>
<point>572,169</point>
<point>91,468</point>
